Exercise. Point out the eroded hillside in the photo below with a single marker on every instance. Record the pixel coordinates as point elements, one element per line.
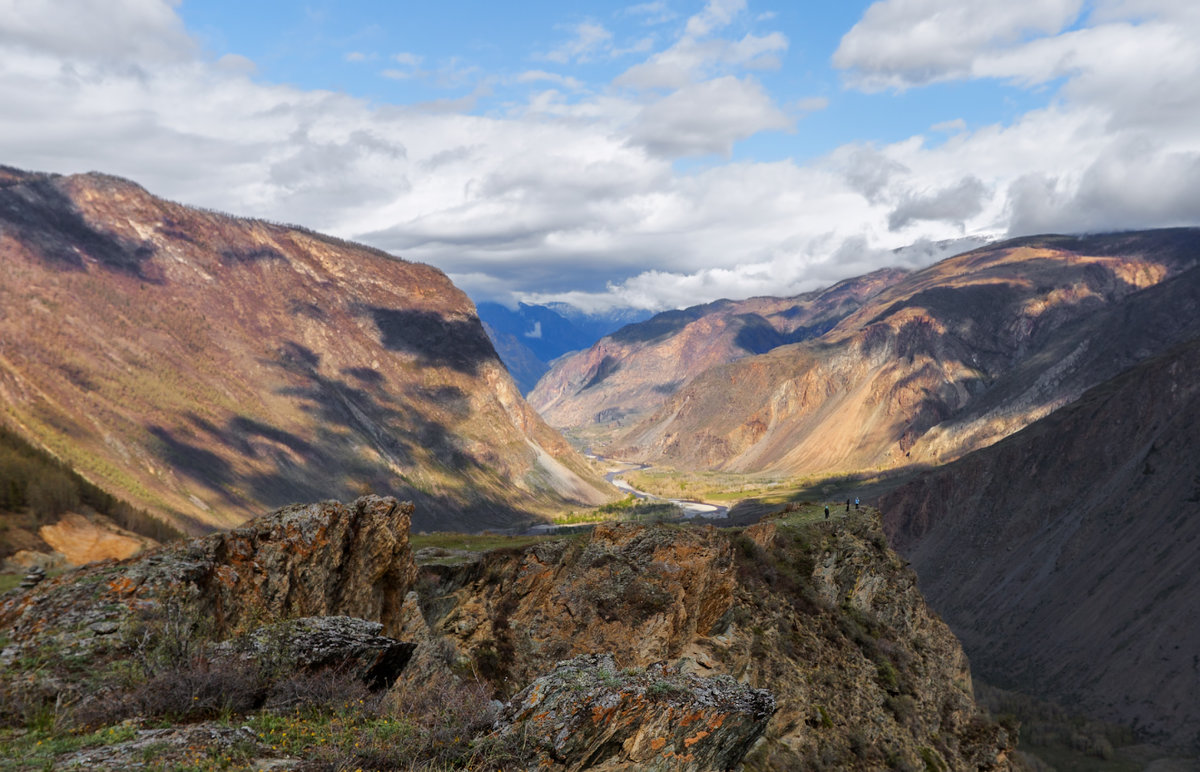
<point>949,359</point>
<point>207,367</point>
<point>634,370</point>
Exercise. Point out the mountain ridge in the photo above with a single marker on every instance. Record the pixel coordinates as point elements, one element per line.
<point>869,393</point>
<point>203,366</point>
<point>635,369</point>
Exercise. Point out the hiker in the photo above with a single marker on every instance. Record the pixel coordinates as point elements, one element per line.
<point>826,511</point>
<point>847,505</point>
<point>856,502</point>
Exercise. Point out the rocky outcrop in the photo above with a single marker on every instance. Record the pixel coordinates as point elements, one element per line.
<point>588,714</point>
<point>821,614</point>
<point>314,560</point>
<point>352,647</point>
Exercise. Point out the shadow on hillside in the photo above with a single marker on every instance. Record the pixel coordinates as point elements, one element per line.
<point>868,486</point>
<point>46,220</point>
<point>346,416</point>
<point>436,341</point>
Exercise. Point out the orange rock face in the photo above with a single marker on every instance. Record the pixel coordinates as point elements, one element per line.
<point>314,560</point>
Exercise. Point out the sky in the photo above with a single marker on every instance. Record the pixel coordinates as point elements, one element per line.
<point>650,155</point>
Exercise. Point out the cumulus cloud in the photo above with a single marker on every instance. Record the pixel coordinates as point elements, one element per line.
<point>707,118</point>
<point>141,32</point>
<point>584,175</point>
<point>867,170</point>
<point>904,43</point>
<point>1134,184</point>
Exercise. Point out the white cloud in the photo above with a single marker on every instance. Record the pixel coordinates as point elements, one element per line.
<point>657,12</point>
<point>716,15</point>
<point>953,204</point>
<point>574,194</point>
<point>589,39</point>
<point>408,59</point>
<point>535,76</point>
<point>707,118</point>
<point>141,32</point>
<point>956,125</point>
<point>1133,184</point>
<point>904,43</point>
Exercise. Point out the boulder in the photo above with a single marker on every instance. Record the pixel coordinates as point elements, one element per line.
<point>587,714</point>
<point>325,559</point>
<point>351,646</point>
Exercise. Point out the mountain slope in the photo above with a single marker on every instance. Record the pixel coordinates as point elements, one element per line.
<point>947,360</point>
<point>635,369</point>
<point>1065,556</point>
<point>208,367</point>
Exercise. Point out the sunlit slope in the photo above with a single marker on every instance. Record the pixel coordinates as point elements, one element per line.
<point>949,359</point>
<point>208,367</point>
<point>635,370</point>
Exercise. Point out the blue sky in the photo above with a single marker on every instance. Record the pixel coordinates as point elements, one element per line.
<point>464,47</point>
<point>653,154</point>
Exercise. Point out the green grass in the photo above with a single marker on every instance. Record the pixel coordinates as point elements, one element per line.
<point>38,749</point>
<point>765,490</point>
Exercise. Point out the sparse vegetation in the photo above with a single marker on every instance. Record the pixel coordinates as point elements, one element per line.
<point>36,484</point>
<point>164,669</point>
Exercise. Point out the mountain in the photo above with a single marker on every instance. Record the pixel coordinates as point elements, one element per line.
<point>207,367</point>
<point>532,336</point>
<point>945,361</point>
<point>1065,555</point>
<point>635,369</point>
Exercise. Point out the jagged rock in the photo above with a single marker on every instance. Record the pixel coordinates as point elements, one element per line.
<point>313,560</point>
<point>353,646</point>
<point>587,714</point>
<point>822,614</point>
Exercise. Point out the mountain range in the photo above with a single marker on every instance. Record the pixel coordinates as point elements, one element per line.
<point>207,368</point>
<point>934,364</point>
<point>637,368</point>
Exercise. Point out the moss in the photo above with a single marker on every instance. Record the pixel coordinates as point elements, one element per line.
<point>933,762</point>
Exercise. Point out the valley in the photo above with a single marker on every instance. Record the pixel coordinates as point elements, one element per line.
<point>1017,421</point>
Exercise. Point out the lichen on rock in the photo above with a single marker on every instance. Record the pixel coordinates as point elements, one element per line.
<point>587,714</point>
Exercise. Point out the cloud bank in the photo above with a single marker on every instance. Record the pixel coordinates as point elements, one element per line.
<point>583,191</point>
